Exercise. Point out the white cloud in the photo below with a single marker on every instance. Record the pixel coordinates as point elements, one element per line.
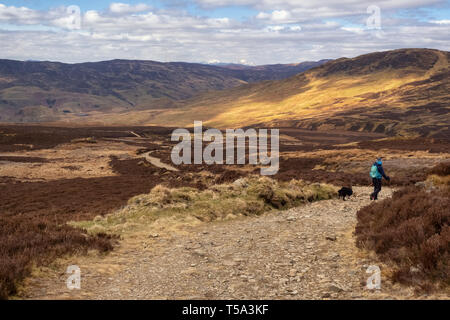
<point>353,29</point>
<point>275,28</point>
<point>275,35</point>
<point>19,15</point>
<point>91,17</point>
<point>245,62</point>
<point>124,8</point>
<point>440,21</point>
<point>263,15</point>
<point>276,16</point>
<point>219,22</point>
<point>311,4</point>
<point>280,15</point>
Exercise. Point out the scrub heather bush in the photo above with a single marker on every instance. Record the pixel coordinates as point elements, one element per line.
<point>24,242</point>
<point>442,169</point>
<point>440,176</point>
<point>410,230</point>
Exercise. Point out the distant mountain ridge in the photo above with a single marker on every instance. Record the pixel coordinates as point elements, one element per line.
<point>253,74</point>
<point>397,92</point>
<point>402,92</point>
<point>284,69</point>
<point>36,91</point>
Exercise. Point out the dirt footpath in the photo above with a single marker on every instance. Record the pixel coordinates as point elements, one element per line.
<point>303,253</point>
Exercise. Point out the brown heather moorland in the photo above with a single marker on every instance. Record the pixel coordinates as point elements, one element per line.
<point>35,211</point>
<point>59,180</point>
<point>412,231</point>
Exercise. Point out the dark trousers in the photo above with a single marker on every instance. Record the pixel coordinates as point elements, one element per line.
<point>376,188</point>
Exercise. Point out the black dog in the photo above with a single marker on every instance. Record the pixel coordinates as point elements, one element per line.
<point>345,192</point>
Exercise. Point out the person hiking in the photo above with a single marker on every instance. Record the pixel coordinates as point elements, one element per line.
<point>377,173</point>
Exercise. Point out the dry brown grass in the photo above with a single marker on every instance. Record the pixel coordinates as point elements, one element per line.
<point>248,196</point>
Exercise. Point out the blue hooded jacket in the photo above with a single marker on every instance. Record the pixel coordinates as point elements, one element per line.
<point>380,173</point>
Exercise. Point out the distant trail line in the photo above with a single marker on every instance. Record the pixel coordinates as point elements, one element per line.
<point>157,162</point>
<point>135,134</point>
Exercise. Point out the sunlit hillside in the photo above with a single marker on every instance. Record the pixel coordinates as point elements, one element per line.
<point>392,91</point>
<point>401,91</point>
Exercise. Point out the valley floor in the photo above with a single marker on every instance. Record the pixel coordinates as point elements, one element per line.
<point>306,252</point>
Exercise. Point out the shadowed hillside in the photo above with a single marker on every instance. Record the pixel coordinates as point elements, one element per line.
<point>49,91</point>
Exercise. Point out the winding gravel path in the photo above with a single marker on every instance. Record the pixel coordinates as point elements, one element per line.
<point>157,162</point>
<point>303,253</point>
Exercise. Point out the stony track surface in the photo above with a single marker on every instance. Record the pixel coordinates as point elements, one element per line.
<point>303,253</point>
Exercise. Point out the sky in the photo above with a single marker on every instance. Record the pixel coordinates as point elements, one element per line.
<point>252,32</point>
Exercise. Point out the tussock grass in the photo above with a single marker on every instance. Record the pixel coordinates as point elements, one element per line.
<point>442,182</point>
<point>440,176</point>
<point>248,196</point>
